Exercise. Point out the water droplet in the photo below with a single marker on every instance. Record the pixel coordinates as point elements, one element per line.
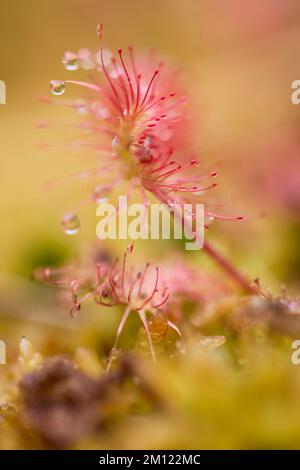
<point>103,113</point>
<point>116,72</point>
<point>158,325</point>
<point>114,143</point>
<point>148,141</point>
<point>70,223</point>
<point>81,107</point>
<point>57,87</point>
<point>189,213</point>
<point>114,355</point>
<point>83,54</point>
<point>210,219</point>
<point>70,61</point>
<point>172,203</point>
<point>99,194</point>
<point>106,56</point>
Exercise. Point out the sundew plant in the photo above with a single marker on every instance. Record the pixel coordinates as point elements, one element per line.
<point>139,119</point>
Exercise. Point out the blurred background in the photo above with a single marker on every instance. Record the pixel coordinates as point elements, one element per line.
<point>238,60</point>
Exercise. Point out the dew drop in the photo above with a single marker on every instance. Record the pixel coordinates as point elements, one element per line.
<point>172,203</point>
<point>99,194</point>
<point>158,325</point>
<point>148,141</point>
<point>70,61</point>
<point>103,113</point>
<point>57,87</point>
<point>81,107</point>
<point>114,355</point>
<point>210,219</point>
<point>106,56</point>
<point>189,213</point>
<point>85,59</point>
<point>116,72</point>
<point>70,223</point>
<point>114,143</point>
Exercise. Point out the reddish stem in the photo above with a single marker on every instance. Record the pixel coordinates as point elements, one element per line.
<point>223,262</point>
<point>229,268</point>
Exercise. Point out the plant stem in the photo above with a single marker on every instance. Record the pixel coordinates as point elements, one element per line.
<point>229,268</point>
<point>220,259</point>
